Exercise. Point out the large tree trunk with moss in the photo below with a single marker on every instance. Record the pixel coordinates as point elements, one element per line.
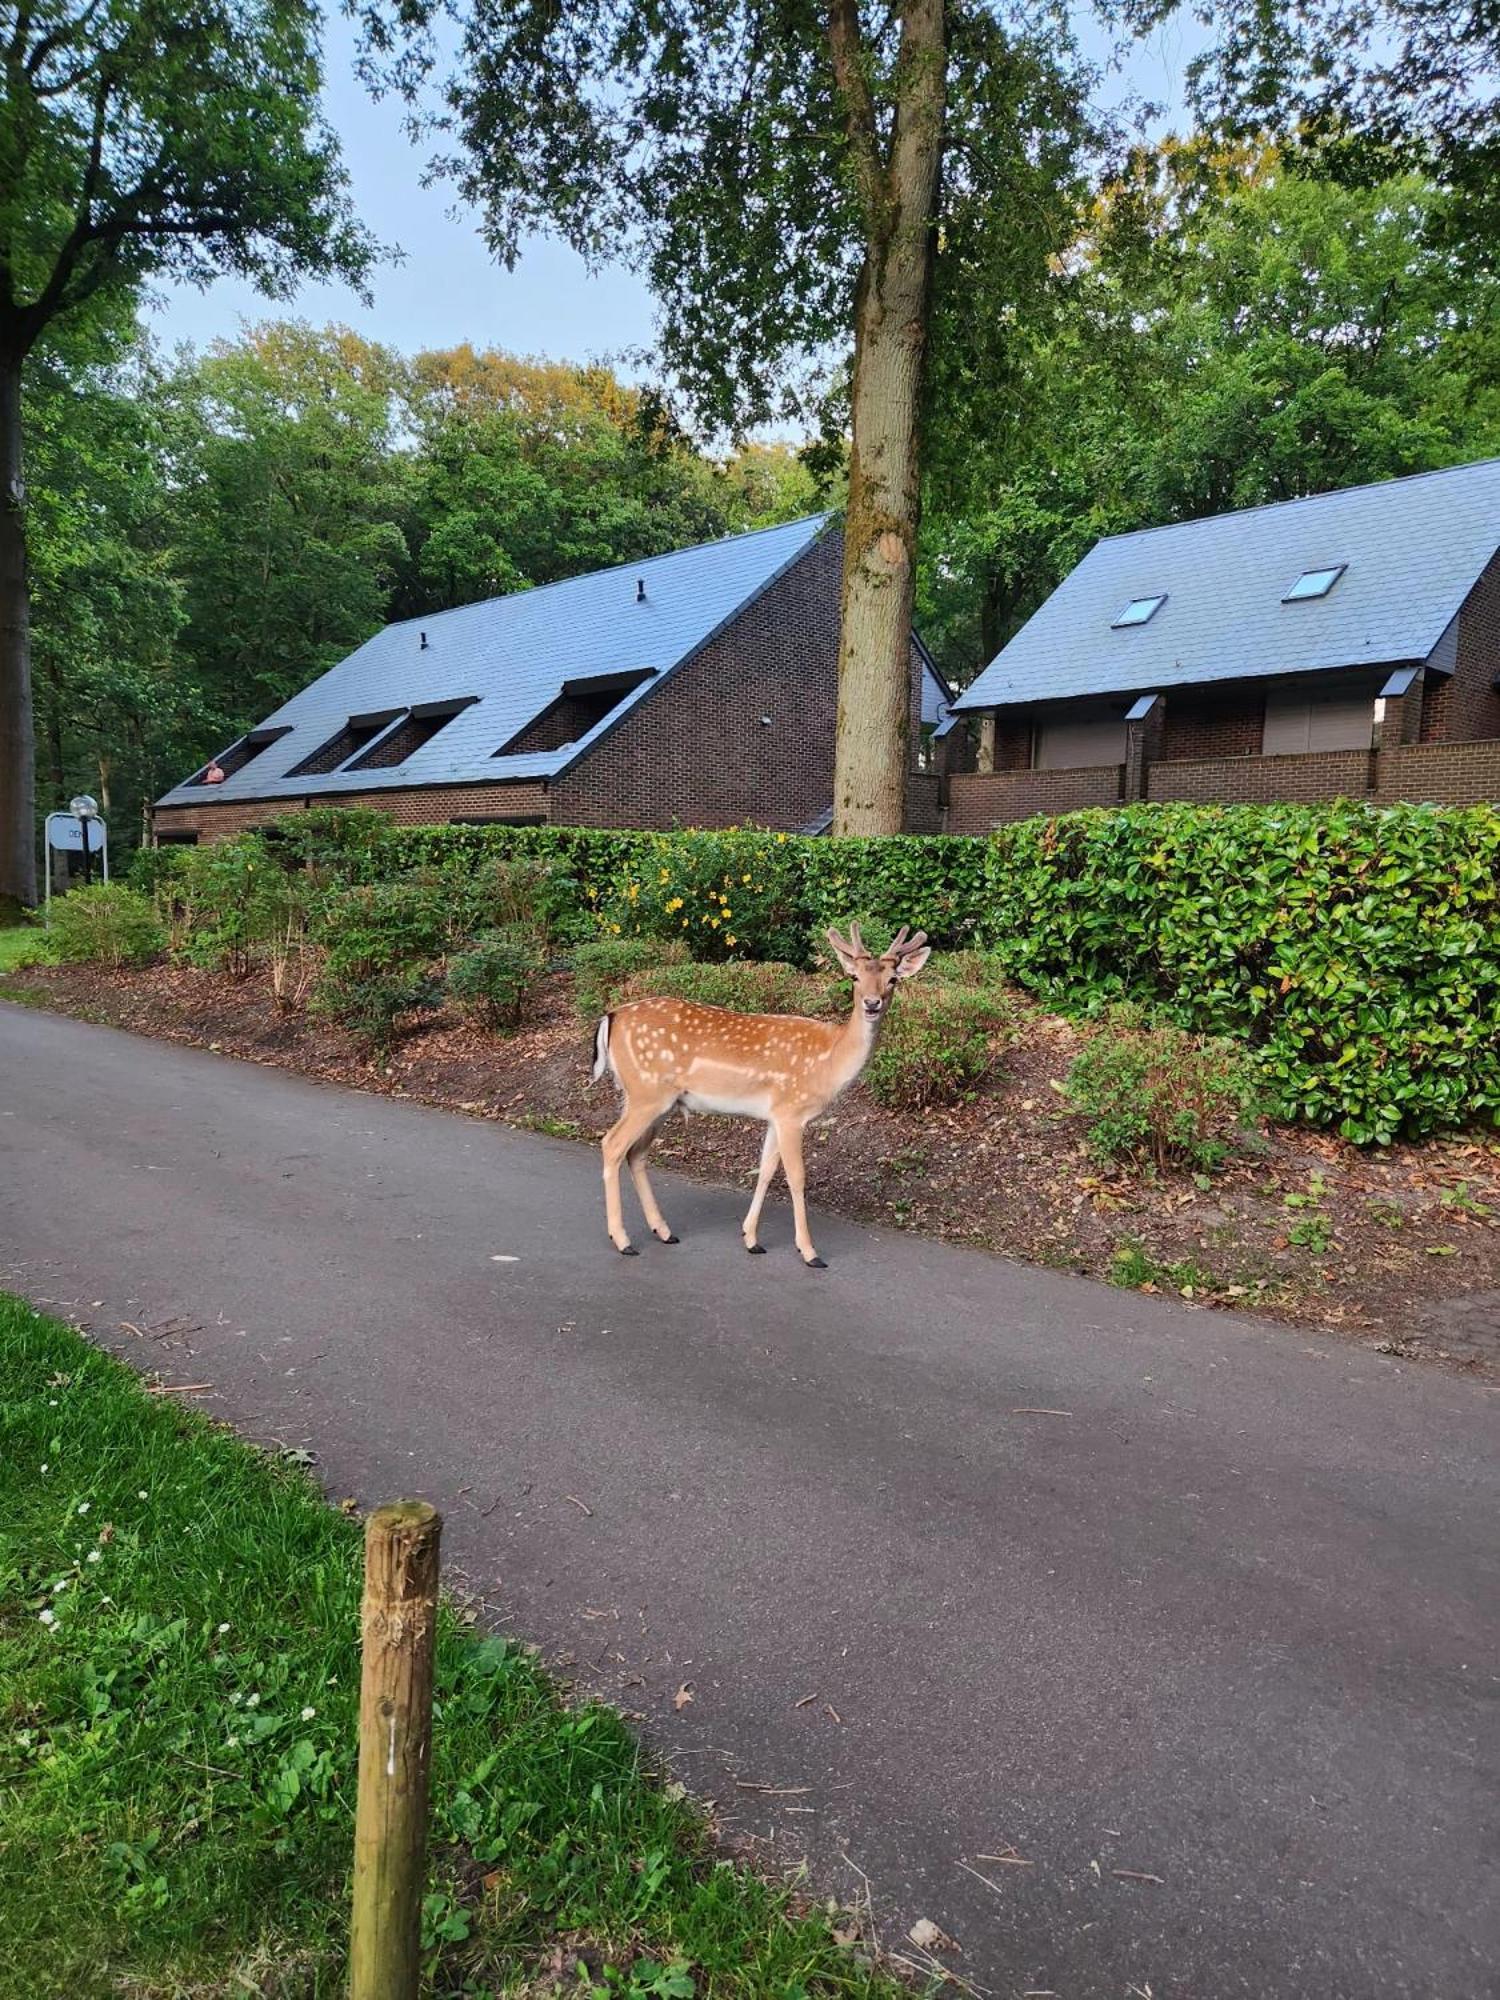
<point>899,197</point>
<point>17,783</point>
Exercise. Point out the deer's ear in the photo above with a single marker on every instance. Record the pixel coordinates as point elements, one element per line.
<point>913,961</point>
<point>842,951</point>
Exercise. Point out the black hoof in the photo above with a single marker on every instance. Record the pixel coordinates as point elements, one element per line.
<point>756,1249</point>
<point>815,1264</point>
<point>630,1251</point>
<point>669,1239</point>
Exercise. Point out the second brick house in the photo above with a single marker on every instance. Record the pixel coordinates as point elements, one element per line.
<point>1342,645</point>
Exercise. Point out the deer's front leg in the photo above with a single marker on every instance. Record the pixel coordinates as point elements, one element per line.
<point>769,1159</point>
<point>789,1139</point>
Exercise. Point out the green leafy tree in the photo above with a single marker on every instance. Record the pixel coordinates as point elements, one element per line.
<point>787,175</point>
<point>139,137</point>
<point>289,496</point>
<point>114,714</point>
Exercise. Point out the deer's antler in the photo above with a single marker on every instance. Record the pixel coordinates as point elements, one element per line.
<point>901,945</point>
<point>857,942</point>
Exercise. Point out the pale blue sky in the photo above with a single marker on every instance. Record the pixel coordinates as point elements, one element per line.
<point>449,289</point>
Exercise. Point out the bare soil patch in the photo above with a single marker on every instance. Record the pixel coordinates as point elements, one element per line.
<point>1397,1249</point>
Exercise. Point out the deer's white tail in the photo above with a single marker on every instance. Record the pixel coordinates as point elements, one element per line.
<point>601,1046</point>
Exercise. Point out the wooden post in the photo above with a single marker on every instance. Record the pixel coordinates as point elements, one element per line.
<point>986,758</point>
<point>395,1744</point>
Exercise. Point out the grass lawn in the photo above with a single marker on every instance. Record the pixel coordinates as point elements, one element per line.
<point>21,945</point>
<point>178,1697</point>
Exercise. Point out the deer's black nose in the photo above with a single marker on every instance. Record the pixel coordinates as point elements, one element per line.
<point>874,1006</point>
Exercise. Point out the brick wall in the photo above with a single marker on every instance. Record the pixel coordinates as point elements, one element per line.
<point>694,752</point>
<point>418,806</point>
<point>1445,774</point>
<point>1317,774</point>
<point>983,799</point>
<point>1464,706</point>
<point>924,803</point>
<point>1227,722</point>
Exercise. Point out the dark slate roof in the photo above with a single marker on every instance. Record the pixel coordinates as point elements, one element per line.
<point>1414,548</point>
<point>513,654</point>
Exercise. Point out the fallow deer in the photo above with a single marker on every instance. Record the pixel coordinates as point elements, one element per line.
<point>783,1068</point>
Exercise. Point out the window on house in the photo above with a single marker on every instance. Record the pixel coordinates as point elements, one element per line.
<point>1314,583</point>
<point>357,734</point>
<point>422,723</point>
<point>238,755</point>
<point>1139,611</point>
<point>580,706</point>
<point>1078,742</point>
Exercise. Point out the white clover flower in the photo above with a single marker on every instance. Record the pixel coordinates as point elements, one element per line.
<point>52,1402</point>
<point>95,1554</point>
<point>143,1494</point>
<point>232,1743</point>
<point>223,1629</point>
<point>252,1701</point>
<point>60,1586</point>
<point>236,1697</point>
<point>308,1714</point>
<point>46,1468</point>
<point>83,1506</point>
<point>48,1617</point>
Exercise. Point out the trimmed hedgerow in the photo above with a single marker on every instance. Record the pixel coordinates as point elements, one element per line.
<point>1354,949</point>
<point>763,987</point>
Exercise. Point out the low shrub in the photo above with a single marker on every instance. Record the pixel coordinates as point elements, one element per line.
<point>603,968</point>
<point>379,942</point>
<point>526,892</point>
<point>763,987</point>
<point>108,924</point>
<point>234,901</point>
<point>1155,1093</point>
<point>937,1045</point>
<point>495,977</point>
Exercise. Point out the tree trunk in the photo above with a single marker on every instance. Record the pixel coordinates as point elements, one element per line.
<point>873,751</point>
<point>17,780</point>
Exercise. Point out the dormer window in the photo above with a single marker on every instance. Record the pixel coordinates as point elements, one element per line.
<point>1139,611</point>
<point>422,723</point>
<point>1314,583</point>
<point>238,755</point>
<point>357,734</point>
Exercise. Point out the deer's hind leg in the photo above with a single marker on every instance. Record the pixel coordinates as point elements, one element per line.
<point>635,1123</point>
<point>635,1159</point>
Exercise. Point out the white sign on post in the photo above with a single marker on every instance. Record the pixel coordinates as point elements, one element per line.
<point>75,833</point>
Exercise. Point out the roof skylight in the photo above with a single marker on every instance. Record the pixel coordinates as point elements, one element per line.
<point>1139,611</point>
<point>1314,583</point>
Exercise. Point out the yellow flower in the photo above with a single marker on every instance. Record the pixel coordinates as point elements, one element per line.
<point>666,875</point>
<point>675,903</point>
<point>744,878</point>
<point>781,836</point>
<point>727,911</point>
<point>731,939</point>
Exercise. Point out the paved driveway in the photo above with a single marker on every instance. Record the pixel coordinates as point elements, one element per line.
<point>962,1558</point>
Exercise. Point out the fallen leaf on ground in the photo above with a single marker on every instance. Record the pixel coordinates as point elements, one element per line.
<point>683,1696</point>
<point>929,1937</point>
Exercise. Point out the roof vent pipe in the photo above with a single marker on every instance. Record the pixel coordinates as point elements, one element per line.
<point>640,590</point>
<point>423,647</point>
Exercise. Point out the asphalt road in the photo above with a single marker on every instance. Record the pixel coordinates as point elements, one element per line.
<point>961,1557</point>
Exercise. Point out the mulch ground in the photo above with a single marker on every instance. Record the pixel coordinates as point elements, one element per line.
<point>1399,1249</point>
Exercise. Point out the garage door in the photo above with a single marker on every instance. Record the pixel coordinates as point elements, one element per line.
<point>1063,746</point>
<point>1317,722</point>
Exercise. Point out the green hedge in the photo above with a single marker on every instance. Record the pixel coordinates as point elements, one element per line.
<point>1354,948</point>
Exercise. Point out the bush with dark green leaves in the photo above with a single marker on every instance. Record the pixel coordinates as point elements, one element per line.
<point>1153,1092</point>
<point>605,967</point>
<point>736,893</point>
<point>493,979</point>
<point>108,924</point>
<point>380,942</point>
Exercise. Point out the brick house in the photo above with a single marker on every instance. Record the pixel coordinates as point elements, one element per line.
<point>698,688</point>
<point>1346,645</point>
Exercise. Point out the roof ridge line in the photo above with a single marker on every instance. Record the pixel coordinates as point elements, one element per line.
<point>1298,500</point>
<point>609,569</point>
